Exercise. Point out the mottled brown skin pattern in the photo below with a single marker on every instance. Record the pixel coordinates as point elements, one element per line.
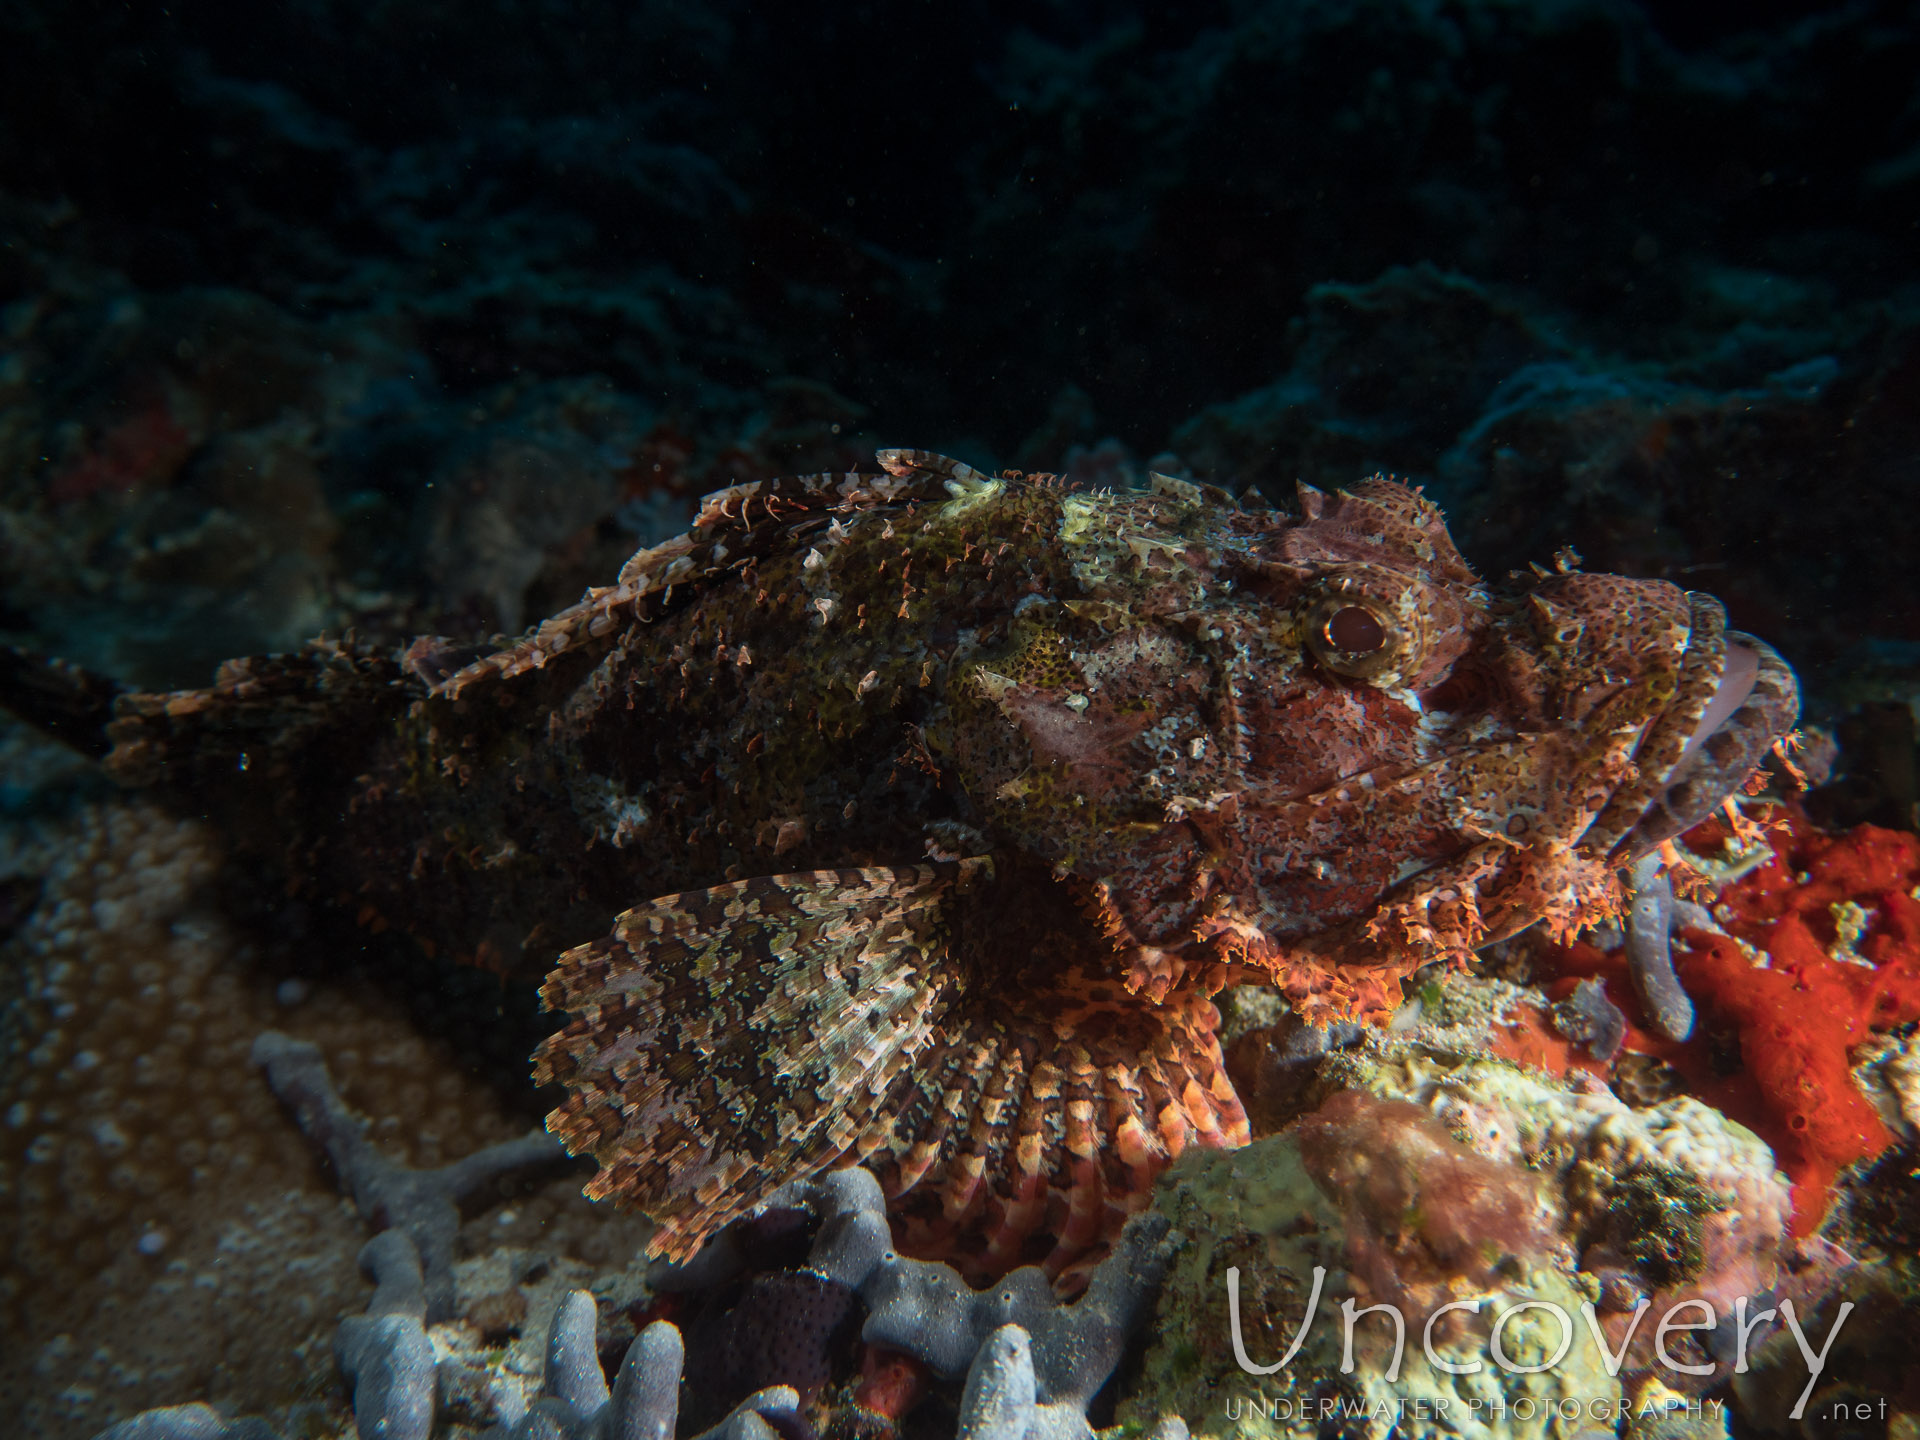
<point>938,807</point>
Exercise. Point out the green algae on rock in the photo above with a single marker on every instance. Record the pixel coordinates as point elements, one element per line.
<point>1276,1217</point>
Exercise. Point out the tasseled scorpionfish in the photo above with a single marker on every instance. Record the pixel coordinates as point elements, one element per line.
<point>913,818</point>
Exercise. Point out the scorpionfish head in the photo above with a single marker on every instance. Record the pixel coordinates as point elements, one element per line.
<point>1314,748</point>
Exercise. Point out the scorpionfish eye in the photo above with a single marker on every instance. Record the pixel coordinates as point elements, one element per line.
<point>1365,625</point>
<point>1352,630</point>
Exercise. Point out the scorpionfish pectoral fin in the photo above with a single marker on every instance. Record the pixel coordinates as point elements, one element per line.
<point>729,1040</point>
<point>983,1058</point>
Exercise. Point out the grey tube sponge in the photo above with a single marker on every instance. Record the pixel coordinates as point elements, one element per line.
<point>646,1392</point>
<point>1654,917</point>
<point>423,1203</point>
<point>999,1401</point>
<point>644,1403</point>
<point>385,1354</point>
<point>1031,1364</point>
<point>852,1238</point>
<point>573,1372</point>
<point>854,1235</point>
<point>1650,954</point>
<point>749,1420</point>
<point>924,1308</point>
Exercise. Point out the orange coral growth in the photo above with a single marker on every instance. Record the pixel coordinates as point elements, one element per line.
<point>1787,982</point>
<point>1817,995</point>
<point>1527,1037</point>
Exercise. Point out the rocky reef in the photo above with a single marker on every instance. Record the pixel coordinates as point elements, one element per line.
<point>1476,1155</point>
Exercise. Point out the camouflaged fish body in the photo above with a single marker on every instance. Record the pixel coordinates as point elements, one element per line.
<point>934,808</point>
